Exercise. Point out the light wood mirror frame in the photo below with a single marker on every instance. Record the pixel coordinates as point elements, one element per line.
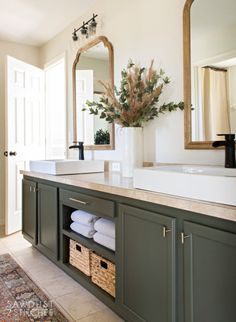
<point>83,49</point>
<point>188,143</point>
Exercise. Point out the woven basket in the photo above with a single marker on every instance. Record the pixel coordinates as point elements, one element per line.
<point>80,257</point>
<point>103,273</point>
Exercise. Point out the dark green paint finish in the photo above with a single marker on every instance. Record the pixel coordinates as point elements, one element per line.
<point>48,240</point>
<point>209,274</point>
<point>91,244</point>
<point>29,211</point>
<point>146,265</point>
<point>180,214</point>
<point>98,206</point>
<point>179,264</point>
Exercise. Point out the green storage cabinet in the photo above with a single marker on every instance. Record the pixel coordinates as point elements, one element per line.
<point>146,265</point>
<point>48,230</point>
<point>29,210</point>
<point>209,274</point>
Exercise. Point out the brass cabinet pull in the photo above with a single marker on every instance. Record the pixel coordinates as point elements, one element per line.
<point>165,230</point>
<point>79,201</point>
<point>33,189</point>
<point>183,237</point>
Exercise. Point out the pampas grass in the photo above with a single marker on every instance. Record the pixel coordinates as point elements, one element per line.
<point>136,102</point>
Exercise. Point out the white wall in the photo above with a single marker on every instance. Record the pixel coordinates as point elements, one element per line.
<point>142,30</point>
<point>30,55</point>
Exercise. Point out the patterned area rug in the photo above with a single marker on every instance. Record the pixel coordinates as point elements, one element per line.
<point>20,299</point>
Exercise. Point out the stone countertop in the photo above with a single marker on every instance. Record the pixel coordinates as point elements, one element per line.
<point>115,184</point>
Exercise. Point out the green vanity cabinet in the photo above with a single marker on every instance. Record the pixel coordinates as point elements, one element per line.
<point>29,209</point>
<point>209,274</point>
<point>146,265</point>
<point>48,239</point>
<point>172,265</point>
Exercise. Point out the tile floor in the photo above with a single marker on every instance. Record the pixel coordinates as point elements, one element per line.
<point>75,302</point>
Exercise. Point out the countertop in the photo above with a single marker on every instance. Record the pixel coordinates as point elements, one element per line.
<point>115,184</point>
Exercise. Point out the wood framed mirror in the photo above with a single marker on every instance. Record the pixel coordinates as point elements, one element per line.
<point>93,62</point>
<point>209,29</point>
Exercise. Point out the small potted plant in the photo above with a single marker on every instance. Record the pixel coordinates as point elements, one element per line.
<point>132,106</point>
<point>102,137</point>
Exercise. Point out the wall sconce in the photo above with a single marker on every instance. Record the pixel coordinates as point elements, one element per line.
<point>87,29</point>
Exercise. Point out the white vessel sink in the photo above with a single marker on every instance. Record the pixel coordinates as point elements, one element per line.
<point>66,166</point>
<point>209,183</point>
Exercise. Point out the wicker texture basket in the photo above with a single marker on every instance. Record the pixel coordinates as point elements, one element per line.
<point>103,273</point>
<point>80,257</point>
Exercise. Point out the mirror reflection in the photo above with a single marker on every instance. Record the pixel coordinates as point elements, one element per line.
<point>213,68</point>
<point>93,65</point>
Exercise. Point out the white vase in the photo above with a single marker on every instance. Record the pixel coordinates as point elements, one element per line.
<point>132,150</point>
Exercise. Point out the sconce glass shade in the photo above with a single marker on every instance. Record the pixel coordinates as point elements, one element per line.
<point>84,32</point>
<point>74,35</point>
<point>92,27</point>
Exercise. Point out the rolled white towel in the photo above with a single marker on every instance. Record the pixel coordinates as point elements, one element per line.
<point>84,230</point>
<point>83,217</point>
<point>105,240</point>
<point>105,227</point>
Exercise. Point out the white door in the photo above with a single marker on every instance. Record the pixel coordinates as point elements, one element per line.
<point>25,131</point>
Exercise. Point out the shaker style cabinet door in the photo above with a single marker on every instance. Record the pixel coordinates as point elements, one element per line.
<point>48,220</point>
<point>146,265</point>
<point>209,274</point>
<point>29,210</point>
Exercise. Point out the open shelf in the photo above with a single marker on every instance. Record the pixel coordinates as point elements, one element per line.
<point>91,244</point>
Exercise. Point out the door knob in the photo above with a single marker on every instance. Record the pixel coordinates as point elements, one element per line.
<point>12,153</point>
<point>5,153</point>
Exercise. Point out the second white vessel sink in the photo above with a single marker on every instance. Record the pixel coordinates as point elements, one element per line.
<point>66,166</point>
<point>208,183</point>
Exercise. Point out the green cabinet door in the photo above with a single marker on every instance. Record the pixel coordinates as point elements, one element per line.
<point>48,220</point>
<point>209,274</point>
<point>146,265</point>
<point>29,211</point>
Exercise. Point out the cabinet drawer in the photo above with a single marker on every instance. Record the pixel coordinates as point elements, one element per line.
<point>98,206</point>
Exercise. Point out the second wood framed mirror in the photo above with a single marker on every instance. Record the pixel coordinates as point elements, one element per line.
<point>209,71</point>
<point>93,62</point>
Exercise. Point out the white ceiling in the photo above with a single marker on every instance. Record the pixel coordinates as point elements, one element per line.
<point>34,22</point>
<point>226,63</point>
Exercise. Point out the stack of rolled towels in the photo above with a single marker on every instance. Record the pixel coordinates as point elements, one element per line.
<point>91,226</point>
<point>83,223</point>
<point>105,233</point>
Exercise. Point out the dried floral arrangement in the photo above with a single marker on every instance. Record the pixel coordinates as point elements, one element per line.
<point>136,102</point>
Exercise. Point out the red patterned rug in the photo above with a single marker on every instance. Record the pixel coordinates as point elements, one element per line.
<point>20,299</point>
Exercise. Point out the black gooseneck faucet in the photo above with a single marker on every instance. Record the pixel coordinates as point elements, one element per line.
<point>80,147</point>
<point>229,144</point>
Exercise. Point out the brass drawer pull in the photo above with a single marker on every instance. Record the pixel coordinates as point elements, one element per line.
<point>165,230</point>
<point>79,201</point>
<point>183,237</point>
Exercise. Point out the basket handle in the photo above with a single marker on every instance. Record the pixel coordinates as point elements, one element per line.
<point>103,264</point>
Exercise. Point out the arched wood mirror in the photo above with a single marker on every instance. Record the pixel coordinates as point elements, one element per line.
<point>209,71</point>
<point>93,62</point>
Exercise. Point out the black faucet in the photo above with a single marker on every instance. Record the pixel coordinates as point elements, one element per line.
<point>80,146</point>
<point>229,144</point>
